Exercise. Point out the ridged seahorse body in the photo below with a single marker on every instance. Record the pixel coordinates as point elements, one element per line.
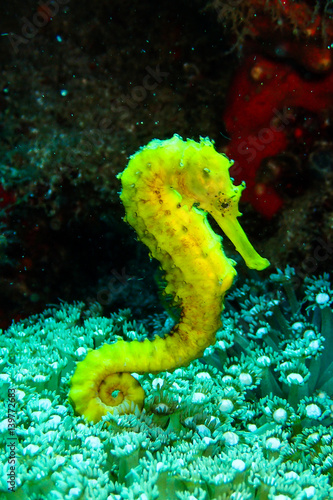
<point>168,188</point>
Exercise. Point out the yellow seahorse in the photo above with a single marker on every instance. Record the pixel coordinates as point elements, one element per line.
<point>168,188</point>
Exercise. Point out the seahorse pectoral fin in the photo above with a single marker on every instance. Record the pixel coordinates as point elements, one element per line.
<point>234,231</point>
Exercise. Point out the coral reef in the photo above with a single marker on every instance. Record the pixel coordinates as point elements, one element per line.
<point>168,189</point>
<point>77,98</point>
<point>262,118</point>
<point>279,105</point>
<point>299,30</point>
<point>252,419</point>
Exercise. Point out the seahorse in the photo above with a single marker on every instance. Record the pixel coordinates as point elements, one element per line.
<point>168,189</point>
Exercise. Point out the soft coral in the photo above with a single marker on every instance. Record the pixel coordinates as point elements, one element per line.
<point>257,118</point>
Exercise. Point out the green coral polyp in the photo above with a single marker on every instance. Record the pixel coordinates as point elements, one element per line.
<point>221,438</point>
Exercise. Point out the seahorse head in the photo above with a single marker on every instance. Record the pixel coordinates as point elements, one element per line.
<point>205,184</point>
<point>207,178</point>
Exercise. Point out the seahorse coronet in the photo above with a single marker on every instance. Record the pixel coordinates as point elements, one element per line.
<point>168,188</point>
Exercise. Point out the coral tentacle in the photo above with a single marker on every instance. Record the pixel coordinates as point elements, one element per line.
<point>168,188</point>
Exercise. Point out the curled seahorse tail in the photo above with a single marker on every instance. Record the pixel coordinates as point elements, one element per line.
<point>102,382</point>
